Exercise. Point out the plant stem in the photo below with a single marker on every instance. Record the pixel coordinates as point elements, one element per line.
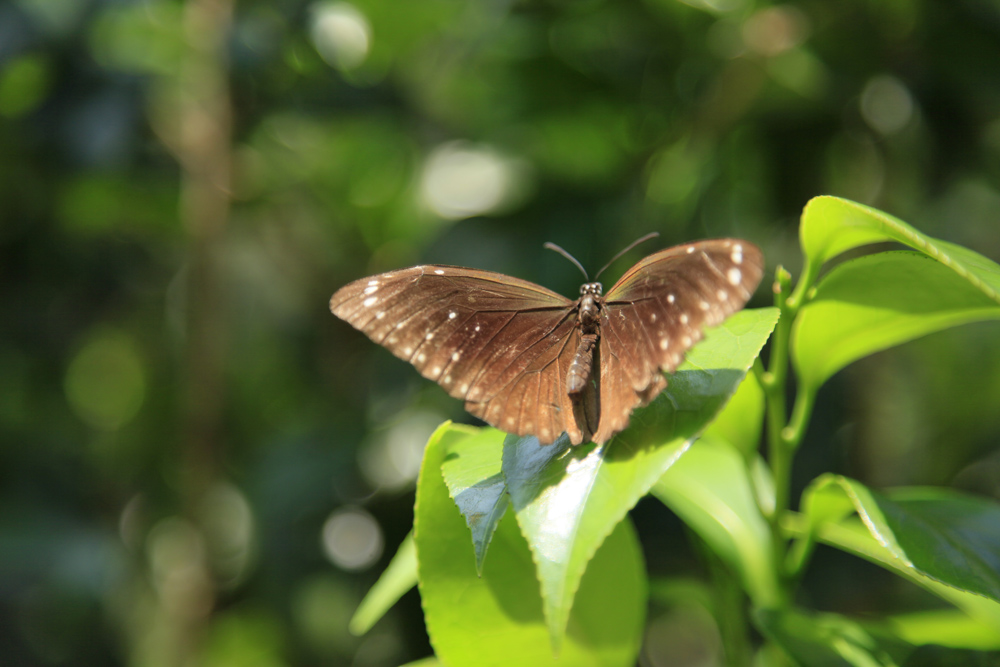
<point>779,457</point>
<point>784,437</point>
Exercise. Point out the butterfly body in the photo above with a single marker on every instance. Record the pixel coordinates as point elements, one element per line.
<point>532,362</point>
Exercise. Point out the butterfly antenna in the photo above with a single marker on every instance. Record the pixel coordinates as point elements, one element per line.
<point>648,236</point>
<point>552,246</point>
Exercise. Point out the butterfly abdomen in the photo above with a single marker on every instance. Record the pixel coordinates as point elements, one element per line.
<point>582,364</point>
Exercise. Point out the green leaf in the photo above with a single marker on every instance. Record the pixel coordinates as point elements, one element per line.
<point>826,640</point>
<point>472,472</point>
<point>875,302</point>
<point>944,627</point>
<point>740,423</point>
<point>949,536</point>
<point>497,619</point>
<point>831,225</point>
<point>424,662</point>
<point>395,581</point>
<point>711,490</point>
<point>943,541</point>
<point>567,499</point>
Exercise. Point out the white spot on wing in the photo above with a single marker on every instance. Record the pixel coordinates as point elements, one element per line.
<point>439,272</point>
<point>664,343</point>
<point>380,314</point>
<point>690,249</point>
<point>464,388</point>
<point>722,296</point>
<point>703,305</point>
<point>671,298</point>
<point>369,301</point>
<point>429,336</point>
<point>371,289</point>
<point>373,283</point>
<point>684,318</point>
<point>421,358</point>
<point>652,318</point>
<point>734,275</point>
<point>455,356</point>
<point>737,255</point>
<point>687,341</point>
<point>477,328</point>
<point>452,315</point>
<point>408,351</point>
<point>436,371</point>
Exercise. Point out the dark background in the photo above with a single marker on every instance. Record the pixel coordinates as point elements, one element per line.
<point>200,465</point>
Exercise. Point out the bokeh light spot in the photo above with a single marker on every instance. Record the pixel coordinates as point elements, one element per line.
<point>352,539</point>
<point>341,34</point>
<point>392,459</point>
<point>775,30</point>
<point>461,180</point>
<point>105,383</point>
<point>228,522</point>
<point>886,105</point>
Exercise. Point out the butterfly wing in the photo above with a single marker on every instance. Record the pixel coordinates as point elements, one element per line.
<point>658,310</point>
<point>501,344</point>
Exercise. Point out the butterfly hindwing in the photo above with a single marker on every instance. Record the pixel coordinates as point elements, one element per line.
<point>658,310</point>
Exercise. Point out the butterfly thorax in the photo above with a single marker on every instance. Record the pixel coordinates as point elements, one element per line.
<point>590,306</point>
<point>589,317</point>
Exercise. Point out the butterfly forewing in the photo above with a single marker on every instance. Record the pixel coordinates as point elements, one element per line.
<point>658,310</point>
<point>484,337</point>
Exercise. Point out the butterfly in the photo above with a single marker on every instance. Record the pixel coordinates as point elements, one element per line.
<point>530,361</point>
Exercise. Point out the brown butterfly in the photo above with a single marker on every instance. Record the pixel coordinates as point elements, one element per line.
<point>532,362</point>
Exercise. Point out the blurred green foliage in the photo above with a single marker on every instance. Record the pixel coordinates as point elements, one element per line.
<point>374,134</point>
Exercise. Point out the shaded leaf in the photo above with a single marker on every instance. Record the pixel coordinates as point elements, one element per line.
<point>471,470</point>
<point>827,640</point>
<point>940,540</point>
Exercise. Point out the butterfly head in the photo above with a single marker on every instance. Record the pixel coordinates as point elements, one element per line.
<point>595,289</point>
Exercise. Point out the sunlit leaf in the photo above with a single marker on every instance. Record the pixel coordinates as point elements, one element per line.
<point>831,225</point>
<point>944,627</point>
<point>741,421</point>
<point>497,619</point>
<point>395,581</point>
<point>874,302</point>
<point>711,490</point>
<point>567,499</point>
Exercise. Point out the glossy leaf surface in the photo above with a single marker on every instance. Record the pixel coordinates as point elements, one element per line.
<point>874,302</point>
<point>497,619</point>
<point>831,225</point>
<point>943,541</point>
